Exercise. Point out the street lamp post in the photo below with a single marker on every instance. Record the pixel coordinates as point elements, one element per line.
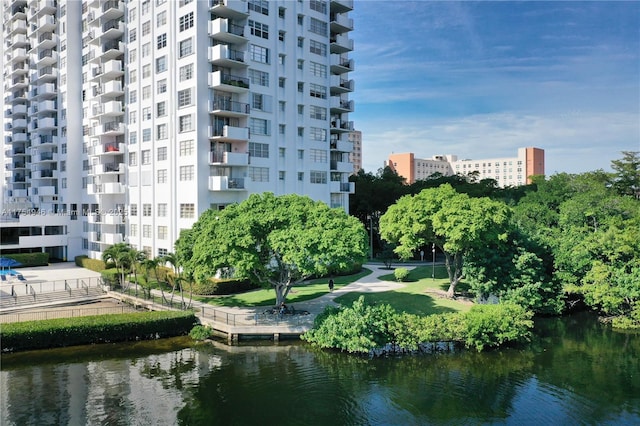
<point>371,237</point>
<point>433,262</point>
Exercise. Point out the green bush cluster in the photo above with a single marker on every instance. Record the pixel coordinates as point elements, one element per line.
<point>223,286</point>
<point>401,274</point>
<point>200,332</point>
<point>96,265</point>
<point>60,332</point>
<point>30,259</point>
<point>110,276</point>
<point>365,328</point>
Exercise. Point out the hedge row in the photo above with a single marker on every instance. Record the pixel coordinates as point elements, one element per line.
<point>96,265</point>
<point>222,287</point>
<point>30,335</point>
<point>30,259</point>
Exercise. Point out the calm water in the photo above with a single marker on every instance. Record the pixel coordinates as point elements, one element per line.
<point>574,372</point>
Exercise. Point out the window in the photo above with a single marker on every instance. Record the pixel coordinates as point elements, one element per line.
<point>317,26</point>
<point>133,96</point>
<point>187,211</point>
<point>146,135</point>
<point>258,126</point>
<point>281,175</point>
<point>146,113</point>
<point>133,159</point>
<point>186,72</point>
<point>318,134</point>
<point>260,78</point>
<point>133,210</point>
<point>133,230</point>
<point>260,6</point>
<point>300,42</point>
<point>281,81</point>
<point>162,252</point>
<point>161,109</point>
<point>185,47</point>
<point>162,176</point>
<point>184,123</point>
<point>259,54</point>
<point>161,64</point>
<point>259,174</point>
<point>300,109</point>
<point>133,138</point>
<point>146,210</point>
<point>318,177</point>
<point>133,35</point>
<point>317,91</point>
<point>162,233</point>
<point>317,48</point>
<point>184,2</point>
<point>161,18</point>
<point>133,76</point>
<point>259,30</point>
<point>162,86</point>
<point>146,28</point>
<point>260,150</point>
<point>186,173</point>
<point>281,35</point>
<point>145,7</point>
<point>162,153</point>
<point>281,12</point>
<point>301,176</point>
<point>186,148</point>
<point>186,21</point>
<point>161,41</point>
<point>261,102</point>
<point>146,92</point>
<point>146,157</point>
<point>133,117</point>
<point>184,98</point>
<point>318,155</point>
<point>281,129</point>
<point>318,6</point>
<point>146,71</point>
<point>132,14</point>
<point>146,231</point>
<point>318,113</point>
<point>300,64</point>
<point>161,210</point>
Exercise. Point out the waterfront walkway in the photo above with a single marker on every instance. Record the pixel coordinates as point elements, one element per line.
<point>233,322</point>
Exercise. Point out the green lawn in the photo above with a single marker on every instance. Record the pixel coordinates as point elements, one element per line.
<point>299,293</point>
<point>413,298</point>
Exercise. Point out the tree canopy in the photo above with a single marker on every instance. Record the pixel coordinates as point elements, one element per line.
<point>271,240</point>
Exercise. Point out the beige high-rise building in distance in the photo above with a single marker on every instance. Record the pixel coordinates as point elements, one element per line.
<point>355,137</point>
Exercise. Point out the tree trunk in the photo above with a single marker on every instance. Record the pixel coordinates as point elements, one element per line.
<point>455,274</point>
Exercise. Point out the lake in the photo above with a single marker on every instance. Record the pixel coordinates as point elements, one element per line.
<point>575,371</point>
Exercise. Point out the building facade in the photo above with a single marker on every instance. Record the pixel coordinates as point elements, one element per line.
<point>124,121</point>
<point>355,137</point>
<point>511,171</point>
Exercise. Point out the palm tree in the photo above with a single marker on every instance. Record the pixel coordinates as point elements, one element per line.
<point>136,257</point>
<point>118,254</point>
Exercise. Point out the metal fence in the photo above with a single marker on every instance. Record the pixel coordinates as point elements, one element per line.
<point>64,313</point>
<point>256,318</point>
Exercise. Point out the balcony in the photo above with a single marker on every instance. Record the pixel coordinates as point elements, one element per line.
<point>111,188</point>
<point>19,26</point>
<point>19,109</point>
<point>348,187</point>
<point>340,6</point>
<point>109,238</point>
<point>47,57</point>
<point>112,29</point>
<point>109,108</point>
<point>47,123</point>
<point>112,9</point>
<point>228,82</point>
<point>47,106</point>
<point>225,183</point>
<point>19,68</point>
<point>228,108</point>
<point>44,157</point>
<point>229,133</point>
<point>44,90</point>
<point>228,158</point>
<point>45,191</point>
<point>341,166</point>
<point>224,56</point>
<point>340,44</point>
<point>232,9</point>
<point>19,137</point>
<point>109,70</point>
<point>44,174</point>
<point>341,64</point>
<point>340,85</point>
<point>339,126</point>
<point>225,30</point>
<point>112,88</point>
<point>107,149</point>
<point>46,73</point>
<point>18,124</point>
<point>45,140</point>
<point>18,40</point>
<point>47,41</point>
<point>46,23</point>
<point>99,169</point>
<point>19,82</point>
<point>340,23</point>
<point>341,105</point>
<point>19,55</point>
<point>341,145</point>
<point>112,128</point>
<point>111,50</point>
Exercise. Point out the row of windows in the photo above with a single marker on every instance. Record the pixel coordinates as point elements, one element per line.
<point>186,210</point>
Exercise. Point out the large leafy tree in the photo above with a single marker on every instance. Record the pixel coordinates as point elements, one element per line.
<point>627,174</point>
<point>455,222</point>
<point>277,241</point>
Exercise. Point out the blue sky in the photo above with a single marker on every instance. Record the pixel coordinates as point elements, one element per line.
<point>480,79</point>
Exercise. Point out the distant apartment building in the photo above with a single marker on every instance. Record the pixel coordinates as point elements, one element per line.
<point>355,137</point>
<point>509,171</point>
<point>124,121</point>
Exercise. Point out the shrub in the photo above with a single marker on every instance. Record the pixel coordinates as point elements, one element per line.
<point>200,332</point>
<point>61,332</point>
<point>221,286</point>
<point>495,325</point>
<point>111,277</point>
<point>30,259</point>
<point>401,274</point>
<point>96,265</point>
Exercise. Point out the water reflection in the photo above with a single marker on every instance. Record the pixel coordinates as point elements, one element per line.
<point>575,371</point>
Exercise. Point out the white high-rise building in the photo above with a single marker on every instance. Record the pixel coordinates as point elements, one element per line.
<point>126,120</point>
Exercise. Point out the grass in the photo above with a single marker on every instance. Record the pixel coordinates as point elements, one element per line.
<point>414,297</point>
<point>299,293</point>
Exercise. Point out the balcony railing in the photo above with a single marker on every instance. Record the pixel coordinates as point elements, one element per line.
<point>231,106</point>
<point>233,80</point>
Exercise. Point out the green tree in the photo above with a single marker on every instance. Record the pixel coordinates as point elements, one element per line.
<point>455,222</point>
<point>627,174</point>
<point>274,241</point>
<point>120,255</point>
